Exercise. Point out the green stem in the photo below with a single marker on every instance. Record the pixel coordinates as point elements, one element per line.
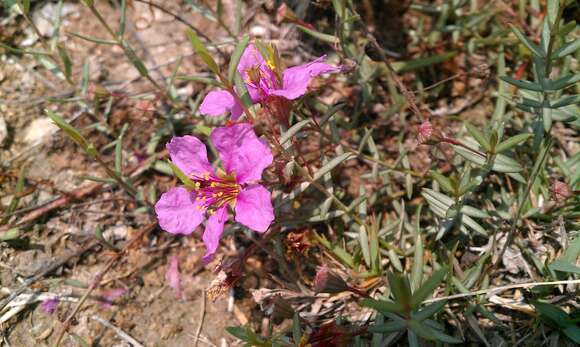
<point>539,163</point>
<point>545,145</point>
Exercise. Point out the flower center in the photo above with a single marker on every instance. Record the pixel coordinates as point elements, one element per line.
<point>214,191</point>
<point>253,75</point>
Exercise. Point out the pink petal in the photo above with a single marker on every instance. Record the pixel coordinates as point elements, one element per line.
<point>250,58</point>
<point>189,155</point>
<point>237,111</point>
<point>177,212</point>
<point>254,208</point>
<point>110,295</point>
<point>49,306</point>
<point>213,232</point>
<point>172,276</point>
<point>217,103</point>
<point>296,79</point>
<point>241,151</point>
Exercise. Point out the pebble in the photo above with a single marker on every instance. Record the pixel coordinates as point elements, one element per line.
<point>3,131</point>
<point>39,130</point>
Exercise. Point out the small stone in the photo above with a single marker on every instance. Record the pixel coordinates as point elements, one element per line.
<point>39,130</point>
<point>3,131</point>
<point>259,31</point>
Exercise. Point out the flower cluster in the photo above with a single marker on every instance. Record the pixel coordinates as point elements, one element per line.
<point>211,192</point>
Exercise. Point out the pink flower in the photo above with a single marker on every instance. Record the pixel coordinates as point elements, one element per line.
<point>264,82</point>
<point>244,157</point>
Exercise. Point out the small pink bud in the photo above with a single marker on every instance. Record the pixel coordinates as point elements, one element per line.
<point>327,281</point>
<point>428,135</point>
<point>560,191</point>
<point>426,130</point>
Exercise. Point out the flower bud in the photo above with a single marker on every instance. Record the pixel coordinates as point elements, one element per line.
<point>560,191</point>
<point>428,135</point>
<point>327,281</point>
<point>285,14</point>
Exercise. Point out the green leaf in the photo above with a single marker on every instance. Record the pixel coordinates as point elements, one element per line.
<point>239,332</point>
<point>505,164</point>
<point>17,193</point>
<point>24,6</point>
<point>438,200</point>
<point>201,9</point>
<point>295,129</point>
<point>523,84</point>
<point>413,339</point>
<point>474,212</point>
<point>72,132</point>
<point>202,51</point>
<point>428,287</point>
<point>553,8</point>
<point>572,252</point>
<point>93,39</point>
<point>478,136</point>
<point>566,49</point>
<point>296,331</point>
<point>134,59</point>
<point>440,336</point>
<point>318,35</point>
<point>547,119</point>
<point>426,332</point>
<point>400,288</point>
<point>364,245</point>
<point>119,151</point>
<point>470,155</point>
<point>552,314</point>
<point>10,234</point>
<point>330,112</point>
<point>236,56</point>
<point>512,142</point>
<point>526,41</point>
<point>565,100</point>
<point>389,327</point>
<point>332,164</point>
<point>65,61</point>
<point>563,82</point>
<point>86,78</point>
<point>558,265</point>
<point>417,270</point>
<point>429,311</point>
<point>123,21</point>
<point>383,306</point>
<point>23,51</point>
<point>572,332</point>
<point>444,182</point>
